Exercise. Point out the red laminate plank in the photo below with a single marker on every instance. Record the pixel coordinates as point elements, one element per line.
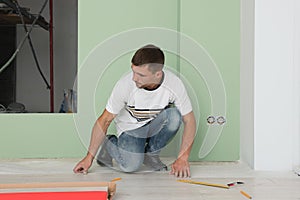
<point>89,195</point>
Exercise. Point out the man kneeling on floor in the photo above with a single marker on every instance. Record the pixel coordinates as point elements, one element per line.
<point>148,106</point>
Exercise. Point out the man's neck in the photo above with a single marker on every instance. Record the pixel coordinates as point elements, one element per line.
<point>154,86</point>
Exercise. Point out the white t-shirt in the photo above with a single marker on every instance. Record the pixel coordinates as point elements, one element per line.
<point>135,106</point>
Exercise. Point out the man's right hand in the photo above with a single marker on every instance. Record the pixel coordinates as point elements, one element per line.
<point>83,165</point>
<point>98,136</point>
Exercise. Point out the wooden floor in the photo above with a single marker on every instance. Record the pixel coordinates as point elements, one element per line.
<point>160,185</point>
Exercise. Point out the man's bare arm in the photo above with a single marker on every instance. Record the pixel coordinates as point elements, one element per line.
<point>98,134</point>
<point>181,167</point>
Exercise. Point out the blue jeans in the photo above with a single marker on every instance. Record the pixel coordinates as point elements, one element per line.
<point>128,150</point>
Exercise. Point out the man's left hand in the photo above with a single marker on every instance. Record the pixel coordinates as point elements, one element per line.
<point>181,168</point>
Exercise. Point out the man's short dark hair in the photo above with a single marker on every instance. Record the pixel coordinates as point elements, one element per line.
<point>149,55</point>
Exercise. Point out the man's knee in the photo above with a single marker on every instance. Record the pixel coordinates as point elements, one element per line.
<point>132,163</point>
<point>174,119</point>
<point>130,168</point>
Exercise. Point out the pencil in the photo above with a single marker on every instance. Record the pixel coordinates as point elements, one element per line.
<point>204,183</point>
<point>116,179</point>
<point>245,194</point>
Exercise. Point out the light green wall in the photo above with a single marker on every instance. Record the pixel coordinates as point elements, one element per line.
<point>214,26</point>
<point>38,136</point>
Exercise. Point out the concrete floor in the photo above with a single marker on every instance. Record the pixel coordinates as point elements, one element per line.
<point>160,185</point>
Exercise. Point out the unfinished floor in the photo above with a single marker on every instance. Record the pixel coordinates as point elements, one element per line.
<point>160,185</point>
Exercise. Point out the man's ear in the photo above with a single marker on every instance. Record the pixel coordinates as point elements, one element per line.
<point>158,74</point>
